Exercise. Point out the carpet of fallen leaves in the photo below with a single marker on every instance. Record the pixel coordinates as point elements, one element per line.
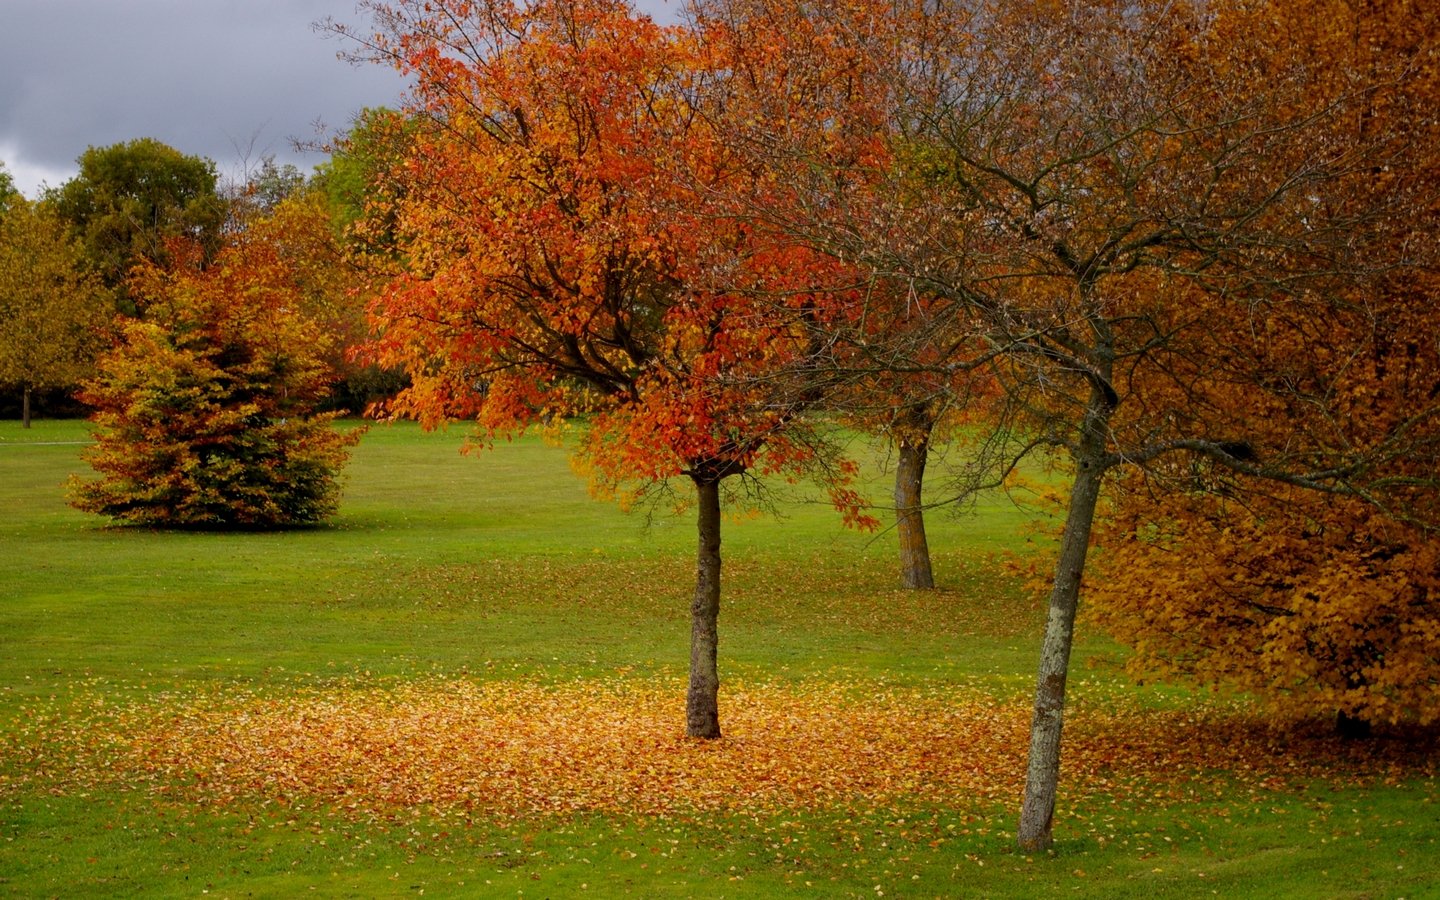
<point>507,749</point>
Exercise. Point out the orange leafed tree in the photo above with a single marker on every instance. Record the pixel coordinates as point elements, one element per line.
<point>557,255</point>
<point>805,96</point>
<point>1316,603</point>
<point>1120,201</point>
<point>1310,602</point>
<point>206,408</point>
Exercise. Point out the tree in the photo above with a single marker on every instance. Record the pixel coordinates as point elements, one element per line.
<point>8,192</point>
<point>1310,603</point>
<point>911,431</point>
<point>266,185</point>
<point>356,177</point>
<point>130,199</point>
<point>1314,603</point>
<point>53,313</point>
<point>914,411</point>
<point>1110,197</point>
<point>205,410</point>
<point>550,221</point>
<point>916,405</point>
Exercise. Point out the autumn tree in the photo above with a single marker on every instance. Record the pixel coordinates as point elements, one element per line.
<point>53,312</point>
<point>911,431</point>
<point>1112,198</point>
<point>1315,604</point>
<point>356,177</point>
<point>205,410</point>
<point>8,192</point>
<point>1310,603</point>
<point>130,199</point>
<point>549,214</point>
<point>332,281</point>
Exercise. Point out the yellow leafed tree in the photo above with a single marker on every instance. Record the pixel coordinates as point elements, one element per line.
<point>52,311</point>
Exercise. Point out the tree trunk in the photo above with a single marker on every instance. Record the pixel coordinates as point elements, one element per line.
<point>1351,728</point>
<point>702,711</point>
<point>25,407</point>
<point>909,512</point>
<point>1042,775</point>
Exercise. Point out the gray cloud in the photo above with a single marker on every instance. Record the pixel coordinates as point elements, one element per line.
<point>214,78</point>
<point>221,79</point>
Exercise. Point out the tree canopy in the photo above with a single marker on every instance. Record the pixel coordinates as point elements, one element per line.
<point>550,213</point>
<point>54,314</point>
<point>129,200</point>
<point>205,410</point>
<point>1143,216</point>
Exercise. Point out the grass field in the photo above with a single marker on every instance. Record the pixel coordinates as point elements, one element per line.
<point>471,684</point>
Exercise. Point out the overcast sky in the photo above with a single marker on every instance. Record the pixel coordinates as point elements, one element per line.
<point>224,79</point>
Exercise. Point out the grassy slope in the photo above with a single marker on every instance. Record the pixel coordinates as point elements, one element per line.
<point>499,566</point>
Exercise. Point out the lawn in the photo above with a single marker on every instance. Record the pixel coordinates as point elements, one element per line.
<point>471,684</point>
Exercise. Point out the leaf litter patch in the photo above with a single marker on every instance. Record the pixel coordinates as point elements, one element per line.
<point>518,749</point>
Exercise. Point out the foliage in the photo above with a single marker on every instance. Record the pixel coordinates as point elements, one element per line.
<point>554,250</point>
<point>53,313</point>
<point>130,199</point>
<point>1331,602</point>
<point>205,410</point>
<point>558,258</point>
<point>8,192</point>
<point>1309,602</point>
<point>505,750</point>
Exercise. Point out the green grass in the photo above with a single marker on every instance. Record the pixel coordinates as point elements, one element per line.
<point>498,566</point>
<point>440,562</point>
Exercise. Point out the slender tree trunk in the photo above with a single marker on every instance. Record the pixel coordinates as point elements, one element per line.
<point>25,407</point>
<point>702,710</point>
<point>909,511</point>
<point>1042,775</point>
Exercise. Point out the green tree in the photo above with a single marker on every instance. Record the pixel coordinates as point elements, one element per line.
<point>205,410</point>
<point>52,310</point>
<point>130,199</point>
<point>360,181</point>
<point>8,191</point>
